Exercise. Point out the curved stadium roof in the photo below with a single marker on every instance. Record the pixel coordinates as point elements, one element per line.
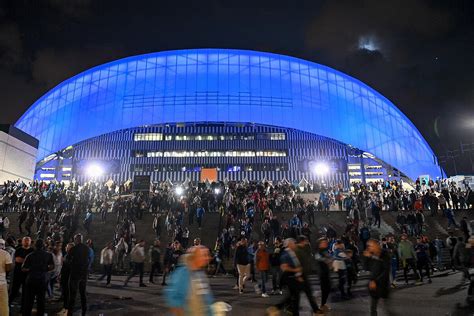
<point>224,85</point>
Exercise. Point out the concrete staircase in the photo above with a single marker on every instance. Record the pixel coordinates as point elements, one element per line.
<point>101,233</point>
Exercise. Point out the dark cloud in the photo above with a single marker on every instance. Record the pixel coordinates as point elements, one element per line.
<point>51,67</point>
<point>11,47</point>
<point>338,27</point>
<point>20,91</point>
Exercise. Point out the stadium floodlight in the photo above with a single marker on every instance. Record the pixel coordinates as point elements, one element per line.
<point>94,170</point>
<point>321,169</point>
<point>217,191</point>
<point>179,191</point>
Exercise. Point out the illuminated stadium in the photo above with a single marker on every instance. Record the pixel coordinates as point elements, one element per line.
<point>250,115</point>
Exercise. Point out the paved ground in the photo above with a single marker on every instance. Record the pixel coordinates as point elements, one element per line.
<point>445,296</point>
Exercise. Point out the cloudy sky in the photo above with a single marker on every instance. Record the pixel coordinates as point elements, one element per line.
<point>419,54</point>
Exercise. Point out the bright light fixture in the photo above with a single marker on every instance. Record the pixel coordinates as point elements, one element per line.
<point>217,191</point>
<point>94,170</point>
<point>179,190</point>
<point>321,169</point>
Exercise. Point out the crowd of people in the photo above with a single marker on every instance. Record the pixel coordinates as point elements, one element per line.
<point>251,232</point>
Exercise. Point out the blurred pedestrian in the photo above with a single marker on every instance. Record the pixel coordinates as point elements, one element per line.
<point>189,292</point>
<point>377,261</point>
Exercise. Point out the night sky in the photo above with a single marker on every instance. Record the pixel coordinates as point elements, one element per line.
<point>419,54</point>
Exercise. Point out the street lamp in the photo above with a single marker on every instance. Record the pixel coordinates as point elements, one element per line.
<point>94,170</point>
<point>179,191</point>
<point>321,169</point>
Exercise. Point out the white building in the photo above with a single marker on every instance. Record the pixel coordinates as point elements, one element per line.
<point>18,152</point>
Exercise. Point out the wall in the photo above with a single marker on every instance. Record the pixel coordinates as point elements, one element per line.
<point>17,159</point>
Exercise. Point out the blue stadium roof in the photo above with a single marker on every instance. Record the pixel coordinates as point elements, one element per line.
<point>225,85</point>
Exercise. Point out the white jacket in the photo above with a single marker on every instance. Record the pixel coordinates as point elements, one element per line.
<point>106,256</point>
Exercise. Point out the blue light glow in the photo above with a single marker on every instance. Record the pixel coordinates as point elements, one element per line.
<point>221,85</point>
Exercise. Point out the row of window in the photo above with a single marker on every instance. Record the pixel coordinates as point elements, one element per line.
<point>52,175</point>
<point>230,153</point>
<point>370,173</point>
<point>220,167</point>
<point>367,167</point>
<point>147,137</point>
<point>159,137</point>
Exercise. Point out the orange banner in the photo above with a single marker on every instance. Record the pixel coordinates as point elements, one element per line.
<point>209,174</point>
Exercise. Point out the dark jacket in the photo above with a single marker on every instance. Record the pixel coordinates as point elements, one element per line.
<point>241,255</point>
<point>275,257</point>
<point>379,269</point>
<point>304,256</point>
<point>38,263</point>
<point>79,261</point>
<point>155,254</point>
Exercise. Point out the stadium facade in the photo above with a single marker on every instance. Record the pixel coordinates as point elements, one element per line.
<point>251,115</point>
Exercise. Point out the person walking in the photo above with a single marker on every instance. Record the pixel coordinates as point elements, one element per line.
<point>303,253</point>
<point>219,257</point>
<point>155,260</point>
<point>324,261</point>
<point>107,260</point>
<point>122,250</point>
<point>461,258</point>
<point>292,278</point>
<point>451,242</point>
<point>37,265</point>
<point>157,224</point>
<point>87,221</point>
<point>199,215</point>
<point>137,257</point>
<point>64,279</point>
<point>391,247</point>
<point>364,235</point>
<point>167,262</point>
<point>275,266</point>
<point>78,261</point>
<point>377,261</point>
<point>189,292</point>
<point>262,265</point>
<point>91,256</point>
<point>266,230</point>
<point>465,228</point>
<point>422,259</point>
<point>376,209</point>
<point>439,245</point>
<point>5,266</point>
<point>58,262</point>
<point>407,257</point>
<point>241,261</point>
<point>470,253</point>
<point>19,276</point>
<point>171,257</point>
<point>339,266</point>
